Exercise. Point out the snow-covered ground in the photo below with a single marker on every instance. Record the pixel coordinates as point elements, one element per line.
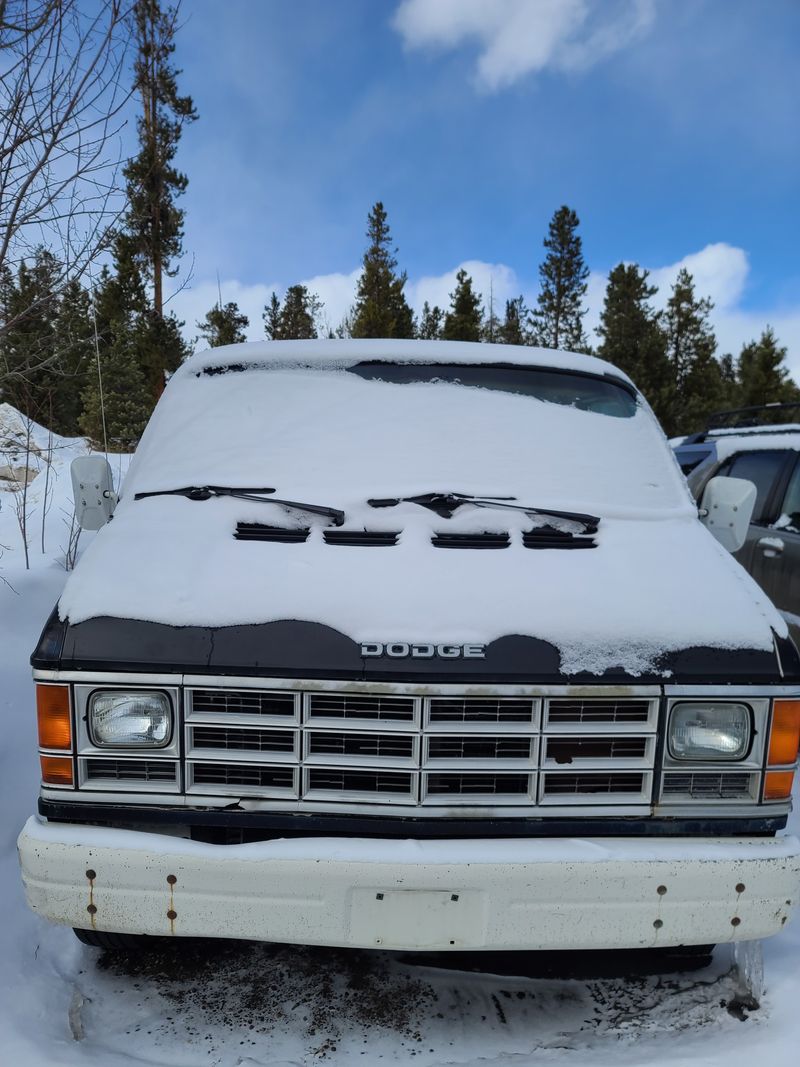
<point>239,1004</point>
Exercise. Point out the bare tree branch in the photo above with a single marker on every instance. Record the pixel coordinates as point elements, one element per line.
<point>63,88</point>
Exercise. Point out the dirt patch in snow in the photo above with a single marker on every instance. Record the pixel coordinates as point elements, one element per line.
<point>332,1004</point>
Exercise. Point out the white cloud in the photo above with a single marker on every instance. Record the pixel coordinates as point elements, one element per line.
<point>520,37</point>
<point>719,270</point>
<point>495,279</point>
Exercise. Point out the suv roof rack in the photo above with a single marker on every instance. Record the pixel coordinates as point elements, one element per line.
<point>757,415</point>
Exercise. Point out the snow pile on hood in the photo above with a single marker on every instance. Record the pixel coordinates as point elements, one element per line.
<point>294,418</point>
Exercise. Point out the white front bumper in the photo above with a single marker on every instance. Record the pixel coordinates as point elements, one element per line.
<point>436,895</point>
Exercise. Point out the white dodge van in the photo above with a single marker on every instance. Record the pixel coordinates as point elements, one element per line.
<point>418,645</point>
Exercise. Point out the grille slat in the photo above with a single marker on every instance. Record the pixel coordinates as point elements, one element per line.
<point>260,777</point>
<point>130,770</point>
<point>566,750</point>
<point>591,784</point>
<point>480,709</point>
<point>252,740</point>
<point>243,702</point>
<point>477,785</point>
<point>355,707</point>
<point>479,747</point>
<point>598,711</point>
<point>371,746</point>
<point>367,782</point>
<point>704,785</point>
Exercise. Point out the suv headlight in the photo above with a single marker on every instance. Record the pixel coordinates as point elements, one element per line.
<point>709,731</point>
<point>128,718</point>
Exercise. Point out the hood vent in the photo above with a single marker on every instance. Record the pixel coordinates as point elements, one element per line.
<point>549,537</point>
<point>256,531</point>
<point>361,537</point>
<point>471,540</point>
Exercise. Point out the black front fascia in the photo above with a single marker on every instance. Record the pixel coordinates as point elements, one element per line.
<point>213,823</point>
<point>295,649</point>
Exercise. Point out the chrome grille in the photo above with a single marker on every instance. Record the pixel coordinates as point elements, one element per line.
<point>324,749</point>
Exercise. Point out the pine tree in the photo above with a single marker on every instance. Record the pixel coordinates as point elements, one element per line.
<point>224,325</point>
<point>272,318</point>
<point>464,320</point>
<point>381,309</point>
<point>152,236</point>
<point>32,306</point>
<point>762,375</point>
<point>698,385</point>
<point>126,403</point>
<point>632,338</point>
<point>558,319</point>
<point>124,334</point>
<point>73,339</point>
<point>490,331</point>
<point>299,314</point>
<point>430,323</point>
<point>512,329</point>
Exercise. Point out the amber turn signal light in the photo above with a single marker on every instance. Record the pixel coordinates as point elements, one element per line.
<point>52,712</point>
<point>784,736</point>
<point>56,770</point>
<point>778,785</point>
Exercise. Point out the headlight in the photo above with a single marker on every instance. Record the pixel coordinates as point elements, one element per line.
<point>705,731</point>
<point>130,718</point>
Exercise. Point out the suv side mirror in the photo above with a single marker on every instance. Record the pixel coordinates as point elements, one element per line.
<point>92,491</point>
<point>727,508</point>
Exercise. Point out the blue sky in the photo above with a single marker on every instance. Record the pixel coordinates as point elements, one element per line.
<point>671,126</point>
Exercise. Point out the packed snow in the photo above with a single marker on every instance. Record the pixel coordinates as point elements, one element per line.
<point>292,417</point>
<point>240,1005</point>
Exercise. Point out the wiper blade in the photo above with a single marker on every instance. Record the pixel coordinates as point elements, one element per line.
<point>446,504</point>
<point>262,495</point>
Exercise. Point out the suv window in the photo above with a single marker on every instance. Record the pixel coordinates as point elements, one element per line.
<point>761,468</point>
<point>790,508</point>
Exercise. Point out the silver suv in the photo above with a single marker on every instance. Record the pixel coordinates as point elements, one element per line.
<point>749,443</point>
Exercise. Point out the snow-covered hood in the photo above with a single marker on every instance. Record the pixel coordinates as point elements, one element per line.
<point>656,582</point>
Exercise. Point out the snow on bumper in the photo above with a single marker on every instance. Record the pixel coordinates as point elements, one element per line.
<point>492,894</point>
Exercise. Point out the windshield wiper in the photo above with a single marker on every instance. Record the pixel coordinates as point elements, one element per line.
<point>446,504</point>
<point>205,492</point>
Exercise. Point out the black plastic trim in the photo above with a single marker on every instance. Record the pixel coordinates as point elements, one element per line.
<point>406,826</point>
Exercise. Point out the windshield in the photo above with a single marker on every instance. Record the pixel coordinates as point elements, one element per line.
<point>341,435</point>
<point>587,392</point>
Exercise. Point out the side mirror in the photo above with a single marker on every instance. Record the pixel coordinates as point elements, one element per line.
<point>92,491</point>
<point>727,508</point>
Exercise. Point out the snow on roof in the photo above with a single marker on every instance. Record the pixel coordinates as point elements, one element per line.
<point>657,580</point>
<point>346,352</point>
